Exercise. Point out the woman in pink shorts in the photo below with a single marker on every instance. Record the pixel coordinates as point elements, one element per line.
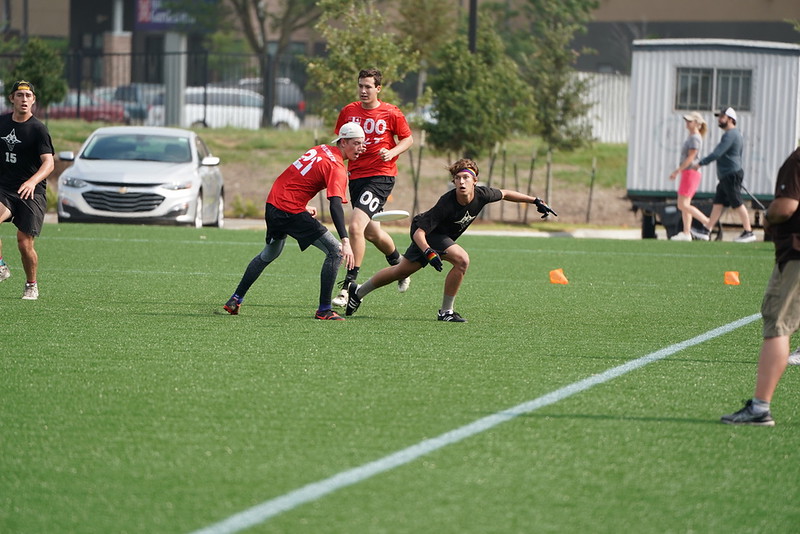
<point>690,179</point>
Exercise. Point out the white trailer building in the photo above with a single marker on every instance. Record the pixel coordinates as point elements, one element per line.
<point>670,77</point>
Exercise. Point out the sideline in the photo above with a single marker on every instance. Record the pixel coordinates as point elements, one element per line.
<point>632,234</point>
<point>262,512</point>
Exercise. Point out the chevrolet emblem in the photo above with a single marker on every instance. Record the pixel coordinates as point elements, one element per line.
<point>122,190</point>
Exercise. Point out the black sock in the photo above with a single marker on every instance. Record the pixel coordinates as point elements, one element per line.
<point>393,258</point>
<point>352,274</point>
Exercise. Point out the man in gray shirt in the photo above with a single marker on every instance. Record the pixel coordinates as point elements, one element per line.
<point>728,155</point>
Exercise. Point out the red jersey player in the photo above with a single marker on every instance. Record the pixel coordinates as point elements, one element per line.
<point>372,175</point>
<point>288,214</point>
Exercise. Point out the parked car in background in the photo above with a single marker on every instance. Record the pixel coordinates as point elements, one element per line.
<point>218,107</point>
<point>142,174</point>
<point>287,93</point>
<point>136,98</point>
<point>82,106</point>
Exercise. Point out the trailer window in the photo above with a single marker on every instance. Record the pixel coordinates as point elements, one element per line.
<point>710,89</point>
<point>693,91</point>
<point>733,89</point>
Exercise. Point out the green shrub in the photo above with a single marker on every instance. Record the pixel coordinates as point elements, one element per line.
<point>244,209</point>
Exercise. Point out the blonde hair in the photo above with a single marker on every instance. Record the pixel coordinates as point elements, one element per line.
<point>702,128</point>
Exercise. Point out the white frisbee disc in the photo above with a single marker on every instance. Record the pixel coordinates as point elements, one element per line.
<point>390,215</point>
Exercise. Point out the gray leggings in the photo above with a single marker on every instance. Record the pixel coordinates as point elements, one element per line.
<point>330,267</point>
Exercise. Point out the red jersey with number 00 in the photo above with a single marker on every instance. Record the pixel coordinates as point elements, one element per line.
<point>380,125</point>
<point>319,168</point>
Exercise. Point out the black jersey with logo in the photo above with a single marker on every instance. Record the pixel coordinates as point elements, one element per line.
<point>450,218</point>
<point>21,147</point>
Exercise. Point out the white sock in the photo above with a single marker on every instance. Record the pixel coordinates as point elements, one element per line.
<point>759,406</point>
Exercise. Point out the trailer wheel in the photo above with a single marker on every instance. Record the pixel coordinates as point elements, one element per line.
<point>648,225</point>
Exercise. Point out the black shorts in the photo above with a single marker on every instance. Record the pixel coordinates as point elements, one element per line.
<point>301,226</point>
<point>729,190</point>
<point>370,194</point>
<point>27,215</point>
<point>438,242</point>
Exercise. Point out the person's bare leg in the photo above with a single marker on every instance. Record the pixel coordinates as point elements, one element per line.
<point>771,365</point>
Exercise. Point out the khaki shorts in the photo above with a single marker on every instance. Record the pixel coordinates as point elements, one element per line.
<point>781,305</point>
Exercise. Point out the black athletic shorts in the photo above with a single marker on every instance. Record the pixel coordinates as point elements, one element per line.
<point>438,242</point>
<point>27,215</point>
<point>729,190</point>
<point>370,194</point>
<point>301,226</point>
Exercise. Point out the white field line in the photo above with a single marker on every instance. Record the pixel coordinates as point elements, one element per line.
<point>311,492</point>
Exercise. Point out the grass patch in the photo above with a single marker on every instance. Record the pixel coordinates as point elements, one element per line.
<point>261,148</point>
<point>130,404</point>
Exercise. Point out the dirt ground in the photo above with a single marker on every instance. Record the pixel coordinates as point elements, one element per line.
<point>608,206</point>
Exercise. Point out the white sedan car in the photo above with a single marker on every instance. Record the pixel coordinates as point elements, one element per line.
<point>219,107</point>
<point>141,174</point>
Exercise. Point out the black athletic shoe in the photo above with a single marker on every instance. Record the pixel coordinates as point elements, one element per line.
<point>232,306</point>
<point>453,317</point>
<point>328,315</point>
<point>746,416</point>
<point>353,302</point>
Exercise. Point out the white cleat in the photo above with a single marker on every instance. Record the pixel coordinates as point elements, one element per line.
<point>402,284</point>
<point>341,299</point>
<point>31,291</point>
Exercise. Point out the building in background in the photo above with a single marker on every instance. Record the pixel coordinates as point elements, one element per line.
<point>617,23</point>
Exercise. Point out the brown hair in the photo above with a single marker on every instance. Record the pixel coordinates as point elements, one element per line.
<point>373,73</point>
<point>462,164</point>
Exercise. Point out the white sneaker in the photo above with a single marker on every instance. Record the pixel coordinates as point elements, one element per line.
<point>745,237</point>
<point>701,234</point>
<point>31,291</point>
<point>402,284</point>
<point>340,299</point>
<point>794,358</point>
<point>5,272</point>
<point>680,236</point>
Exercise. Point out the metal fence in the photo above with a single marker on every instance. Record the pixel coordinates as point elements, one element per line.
<point>222,89</point>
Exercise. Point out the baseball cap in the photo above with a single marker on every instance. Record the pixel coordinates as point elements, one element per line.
<point>730,112</point>
<point>695,116</point>
<point>22,85</point>
<point>349,130</point>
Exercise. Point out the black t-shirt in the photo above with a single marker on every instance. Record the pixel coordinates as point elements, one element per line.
<point>787,235</point>
<point>21,147</point>
<point>450,218</point>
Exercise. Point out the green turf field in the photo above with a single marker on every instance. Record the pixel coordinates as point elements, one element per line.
<point>130,404</point>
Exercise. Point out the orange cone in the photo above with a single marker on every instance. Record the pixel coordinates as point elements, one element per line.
<point>732,278</point>
<point>557,277</point>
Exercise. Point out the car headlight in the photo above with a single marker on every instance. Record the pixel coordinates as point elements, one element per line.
<point>70,181</point>
<point>178,186</point>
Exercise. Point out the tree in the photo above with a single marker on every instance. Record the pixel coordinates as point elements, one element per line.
<point>255,22</point>
<point>480,99</point>
<point>545,58</point>
<point>44,68</point>
<point>356,36</point>
<point>425,22</point>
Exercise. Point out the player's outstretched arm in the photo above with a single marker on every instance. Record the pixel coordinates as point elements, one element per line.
<point>541,205</point>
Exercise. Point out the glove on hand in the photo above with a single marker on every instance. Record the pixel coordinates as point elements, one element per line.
<point>541,207</point>
<point>433,259</point>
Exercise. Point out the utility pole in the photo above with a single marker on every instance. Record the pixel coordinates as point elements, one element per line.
<point>473,25</point>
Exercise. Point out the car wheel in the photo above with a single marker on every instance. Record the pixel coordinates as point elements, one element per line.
<point>282,126</point>
<point>198,210</point>
<point>220,223</point>
<point>199,125</point>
